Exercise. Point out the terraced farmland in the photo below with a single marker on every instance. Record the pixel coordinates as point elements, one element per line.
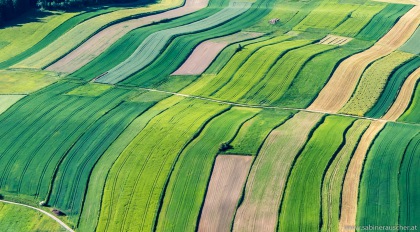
<point>211,115</point>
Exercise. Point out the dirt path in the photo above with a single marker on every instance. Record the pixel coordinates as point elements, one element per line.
<point>352,179</point>
<point>225,188</point>
<point>404,97</point>
<point>42,211</point>
<point>207,51</point>
<point>97,44</point>
<point>267,179</point>
<point>339,89</point>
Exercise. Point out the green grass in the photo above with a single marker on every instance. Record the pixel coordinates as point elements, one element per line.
<point>409,184</point>
<point>268,175</point>
<point>8,100</point>
<point>412,45</point>
<point>54,34</point>
<point>19,218</point>
<point>373,82</point>
<point>334,177</point>
<point>92,203</point>
<point>310,80</point>
<point>253,132</point>
<point>254,69</point>
<point>72,175</point>
<point>301,205</point>
<point>279,78</point>
<point>188,183</point>
<point>23,36</point>
<point>90,90</point>
<point>392,87</point>
<point>326,16</point>
<point>154,44</point>
<point>383,21</point>
<point>35,147</point>
<point>413,111</point>
<point>25,81</point>
<point>134,186</point>
<point>358,19</point>
<point>208,84</point>
<point>86,29</point>
<point>379,186</point>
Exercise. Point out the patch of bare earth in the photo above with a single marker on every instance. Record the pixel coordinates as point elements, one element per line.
<point>268,176</point>
<point>345,78</point>
<point>207,51</point>
<point>225,188</point>
<point>335,40</point>
<point>352,179</point>
<point>98,43</point>
<point>404,97</point>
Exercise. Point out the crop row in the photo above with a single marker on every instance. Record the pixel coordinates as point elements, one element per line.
<point>413,111</point>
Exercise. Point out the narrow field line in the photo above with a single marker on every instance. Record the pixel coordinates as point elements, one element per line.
<point>42,211</point>
<point>271,107</point>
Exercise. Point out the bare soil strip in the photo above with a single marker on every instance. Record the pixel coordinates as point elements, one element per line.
<point>206,52</point>
<point>352,179</point>
<point>335,40</point>
<point>42,211</point>
<point>267,179</point>
<point>404,97</point>
<point>345,78</point>
<point>225,188</point>
<point>409,2</point>
<point>97,44</point>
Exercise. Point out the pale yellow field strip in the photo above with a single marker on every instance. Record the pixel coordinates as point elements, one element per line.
<point>340,87</point>
<point>404,97</point>
<point>225,189</point>
<point>207,51</point>
<point>98,43</point>
<point>6,101</point>
<point>352,179</point>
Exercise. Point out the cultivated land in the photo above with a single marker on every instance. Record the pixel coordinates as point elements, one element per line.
<point>211,115</point>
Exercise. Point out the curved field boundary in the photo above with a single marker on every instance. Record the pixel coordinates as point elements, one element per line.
<point>373,81</point>
<point>6,101</point>
<point>409,184</point>
<point>186,190</point>
<point>92,203</point>
<point>98,43</point>
<point>42,211</point>
<point>404,97</point>
<point>224,190</point>
<point>393,86</point>
<point>334,177</point>
<point>301,205</point>
<point>153,45</point>
<point>135,184</point>
<point>267,179</point>
<point>80,33</point>
<point>411,115</point>
<point>207,51</point>
<point>54,34</point>
<point>378,201</point>
<point>345,78</point>
<point>351,182</point>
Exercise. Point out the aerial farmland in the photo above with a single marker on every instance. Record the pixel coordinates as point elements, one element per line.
<point>209,115</point>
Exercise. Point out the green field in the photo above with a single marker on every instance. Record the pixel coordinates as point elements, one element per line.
<point>120,144</point>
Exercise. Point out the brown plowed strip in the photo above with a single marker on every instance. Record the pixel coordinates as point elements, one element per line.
<point>206,52</point>
<point>268,176</point>
<point>352,179</point>
<point>225,188</point>
<point>404,97</point>
<point>335,40</point>
<point>97,44</point>
<point>342,83</point>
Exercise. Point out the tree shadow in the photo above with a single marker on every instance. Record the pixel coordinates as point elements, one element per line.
<point>33,15</point>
